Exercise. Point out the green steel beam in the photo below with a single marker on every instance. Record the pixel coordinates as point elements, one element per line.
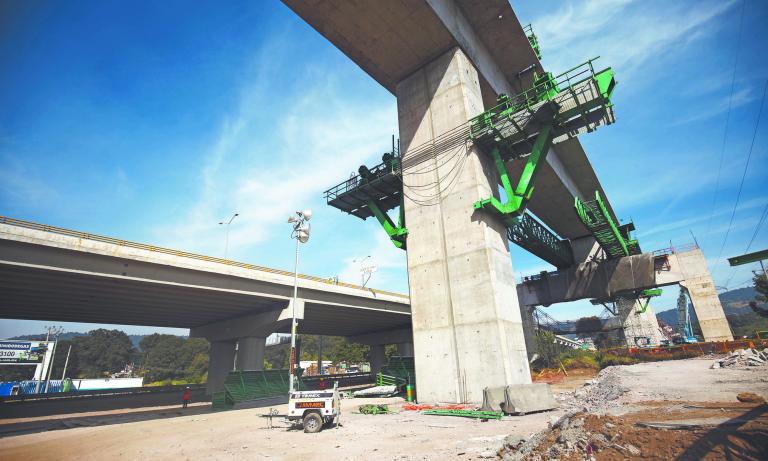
<point>517,198</point>
<point>748,258</point>
<point>648,294</point>
<point>397,233</point>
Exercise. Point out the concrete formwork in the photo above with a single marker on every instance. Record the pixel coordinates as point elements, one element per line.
<point>467,329</point>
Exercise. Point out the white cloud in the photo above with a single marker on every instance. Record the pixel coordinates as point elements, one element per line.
<point>626,34</point>
<point>276,153</point>
<point>711,109</point>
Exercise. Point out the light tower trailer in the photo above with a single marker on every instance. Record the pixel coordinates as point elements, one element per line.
<point>313,409</point>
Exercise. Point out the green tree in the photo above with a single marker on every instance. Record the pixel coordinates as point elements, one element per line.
<point>101,352</point>
<point>589,324</point>
<point>761,286</point>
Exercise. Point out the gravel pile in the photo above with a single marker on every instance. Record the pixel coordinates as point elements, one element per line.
<point>743,358</point>
<point>597,394</point>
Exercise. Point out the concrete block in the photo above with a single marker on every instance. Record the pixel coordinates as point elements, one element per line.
<point>519,398</point>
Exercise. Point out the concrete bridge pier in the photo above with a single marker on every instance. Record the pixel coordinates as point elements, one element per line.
<point>250,353</point>
<point>222,361</point>
<point>639,326</point>
<point>249,332</point>
<point>405,349</point>
<point>377,358</point>
<point>467,329</point>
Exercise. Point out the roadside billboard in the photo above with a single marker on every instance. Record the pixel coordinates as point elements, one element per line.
<point>22,352</point>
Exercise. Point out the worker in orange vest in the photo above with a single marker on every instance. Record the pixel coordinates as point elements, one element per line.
<point>186,396</point>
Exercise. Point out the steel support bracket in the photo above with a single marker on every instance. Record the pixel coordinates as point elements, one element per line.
<point>518,197</point>
<point>397,233</point>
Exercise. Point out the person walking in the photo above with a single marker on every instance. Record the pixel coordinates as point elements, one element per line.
<point>186,396</point>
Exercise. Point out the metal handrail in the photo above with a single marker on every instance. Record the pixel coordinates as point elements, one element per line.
<point>142,246</point>
<point>529,96</point>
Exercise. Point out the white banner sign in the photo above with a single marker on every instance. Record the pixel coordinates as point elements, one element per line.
<point>22,352</point>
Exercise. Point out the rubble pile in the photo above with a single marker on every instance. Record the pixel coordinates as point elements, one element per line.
<point>567,436</point>
<point>743,358</point>
<point>597,394</point>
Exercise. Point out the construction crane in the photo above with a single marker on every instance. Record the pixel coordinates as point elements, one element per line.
<point>684,327</point>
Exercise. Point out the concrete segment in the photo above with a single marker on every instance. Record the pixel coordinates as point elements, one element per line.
<point>466,322</point>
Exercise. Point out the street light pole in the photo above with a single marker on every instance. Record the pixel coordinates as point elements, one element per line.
<point>56,332</point>
<point>226,238</point>
<point>301,234</point>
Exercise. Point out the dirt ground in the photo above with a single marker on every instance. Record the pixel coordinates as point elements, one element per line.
<point>684,391</point>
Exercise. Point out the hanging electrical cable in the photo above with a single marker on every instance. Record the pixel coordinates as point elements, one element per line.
<point>744,174</point>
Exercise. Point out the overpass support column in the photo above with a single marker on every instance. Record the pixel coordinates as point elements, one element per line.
<point>377,358</point>
<point>250,353</point>
<point>222,359</point>
<point>405,349</point>
<point>467,329</point>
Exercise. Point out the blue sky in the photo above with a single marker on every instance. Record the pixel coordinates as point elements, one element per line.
<point>153,125</point>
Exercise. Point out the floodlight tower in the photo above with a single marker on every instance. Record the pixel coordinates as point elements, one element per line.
<point>300,232</point>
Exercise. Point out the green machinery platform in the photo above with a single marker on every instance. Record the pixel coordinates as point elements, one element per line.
<point>374,192</point>
<point>525,126</point>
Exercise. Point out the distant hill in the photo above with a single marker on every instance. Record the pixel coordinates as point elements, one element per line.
<point>135,339</point>
<point>736,306</point>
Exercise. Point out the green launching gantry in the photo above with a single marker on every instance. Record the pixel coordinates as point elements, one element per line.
<point>524,125</point>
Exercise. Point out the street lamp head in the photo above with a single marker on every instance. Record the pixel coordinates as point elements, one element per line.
<point>292,219</point>
<point>307,214</point>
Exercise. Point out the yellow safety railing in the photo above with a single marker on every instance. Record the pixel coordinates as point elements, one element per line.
<point>184,254</point>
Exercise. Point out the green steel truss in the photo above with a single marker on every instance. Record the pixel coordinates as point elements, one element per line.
<point>614,239</point>
<point>373,192</point>
<point>531,235</point>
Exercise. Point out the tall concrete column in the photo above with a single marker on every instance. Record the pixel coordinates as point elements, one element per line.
<point>222,358</point>
<point>706,303</point>
<point>467,329</point>
<point>250,353</point>
<point>405,349</point>
<point>529,330</point>
<point>638,324</point>
<point>377,358</point>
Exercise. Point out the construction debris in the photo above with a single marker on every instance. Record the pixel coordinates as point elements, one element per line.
<point>742,358</point>
<point>597,394</point>
<point>373,409</point>
<point>377,391</point>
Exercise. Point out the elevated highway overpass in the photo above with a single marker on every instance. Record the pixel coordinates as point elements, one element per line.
<point>56,274</point>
